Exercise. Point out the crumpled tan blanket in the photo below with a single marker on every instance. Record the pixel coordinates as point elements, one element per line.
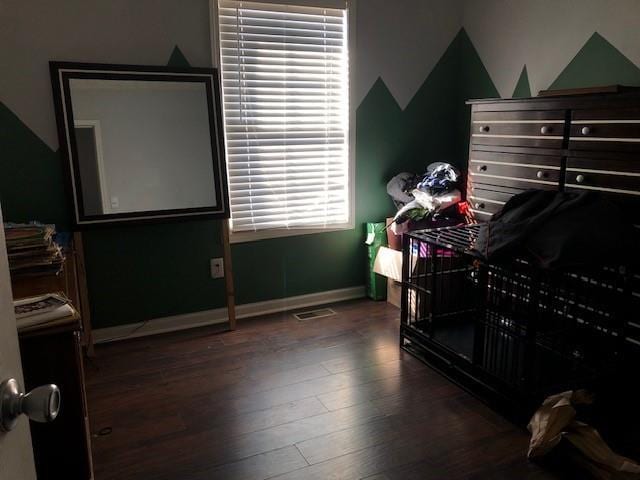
<point>555,420</point>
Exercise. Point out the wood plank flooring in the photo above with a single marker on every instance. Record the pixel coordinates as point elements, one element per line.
<point>332,398</point>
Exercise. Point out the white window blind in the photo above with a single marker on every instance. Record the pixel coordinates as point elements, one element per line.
<point>285,86</point>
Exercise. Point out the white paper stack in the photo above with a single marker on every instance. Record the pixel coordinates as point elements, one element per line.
<point>50,309</point>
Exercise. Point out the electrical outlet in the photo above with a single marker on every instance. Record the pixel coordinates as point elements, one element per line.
<point>217,268</point>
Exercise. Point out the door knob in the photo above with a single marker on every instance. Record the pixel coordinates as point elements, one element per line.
<point>42,404</point>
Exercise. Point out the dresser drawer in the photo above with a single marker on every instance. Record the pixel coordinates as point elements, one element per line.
<point>520,171</point>
<point>611,130</point>
<point>484,203</point>
<point>485,200</point>
<point>633,325</point>
<point>543,129</point>
<point>618,178</point>
<point>621,177</point>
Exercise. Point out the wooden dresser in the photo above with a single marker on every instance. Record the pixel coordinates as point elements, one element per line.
<point>579,142</point>
<point>508,330</point>
<point>566,143</point>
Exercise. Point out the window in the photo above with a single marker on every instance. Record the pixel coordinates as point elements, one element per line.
<point>285,76</point>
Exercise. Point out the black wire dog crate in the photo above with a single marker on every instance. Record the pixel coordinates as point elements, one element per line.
<point>512,333</point>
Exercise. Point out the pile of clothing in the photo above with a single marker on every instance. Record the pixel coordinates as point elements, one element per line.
<point>431,196</point>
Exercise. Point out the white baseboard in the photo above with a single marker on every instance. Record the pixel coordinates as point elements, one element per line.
<point>219,315</point>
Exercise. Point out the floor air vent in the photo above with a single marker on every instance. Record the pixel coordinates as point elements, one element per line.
<point>311,314</point>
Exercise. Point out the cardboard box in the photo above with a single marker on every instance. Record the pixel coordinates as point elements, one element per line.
<point>388,263</point>
<point>394,297</point>
<point>394,292</point>
<point>395,241</point>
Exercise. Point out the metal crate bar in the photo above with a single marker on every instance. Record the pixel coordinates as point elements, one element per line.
<point>519,331</point>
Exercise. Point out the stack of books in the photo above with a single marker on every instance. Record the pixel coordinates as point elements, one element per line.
<point>51,309</point>
<point>32,249</point>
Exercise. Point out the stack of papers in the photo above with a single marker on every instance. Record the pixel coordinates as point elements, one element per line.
<point>49,309</point>
<point>32,250</point>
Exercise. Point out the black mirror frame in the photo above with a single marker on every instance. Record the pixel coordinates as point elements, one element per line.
<point>62,72</point>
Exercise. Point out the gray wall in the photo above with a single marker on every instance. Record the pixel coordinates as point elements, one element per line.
<point>400,41</point>
<point>139,32</point>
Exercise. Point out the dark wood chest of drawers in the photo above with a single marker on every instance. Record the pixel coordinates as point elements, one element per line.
<point>572,143</point>
<point>509,331</point>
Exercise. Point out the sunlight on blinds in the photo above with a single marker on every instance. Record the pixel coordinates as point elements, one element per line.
<point>285,86</point>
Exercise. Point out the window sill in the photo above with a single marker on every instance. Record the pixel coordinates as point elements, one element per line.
<point>253,236</point>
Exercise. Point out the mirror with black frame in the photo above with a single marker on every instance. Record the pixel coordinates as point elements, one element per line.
<point>141,143</point>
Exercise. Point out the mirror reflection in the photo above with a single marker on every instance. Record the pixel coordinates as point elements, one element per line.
<point>142,145</point>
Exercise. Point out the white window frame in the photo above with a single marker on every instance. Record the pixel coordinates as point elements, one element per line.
<point>249,236</point>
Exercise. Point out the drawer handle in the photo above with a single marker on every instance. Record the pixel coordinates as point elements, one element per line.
<point>585,130</point>
<point>580,178</point>
<point>545,130</point>
<point>482,168</point>
<point>484,128</point>
<point>542,174</point>
<point>480,206</point>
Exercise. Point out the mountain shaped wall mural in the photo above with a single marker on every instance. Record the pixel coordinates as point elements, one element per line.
<point>177,59</point>
<point>128,287</point>
<point>598,63</point>
<point>429,129</point>
<point>522,90</point>
<point>31,177</point>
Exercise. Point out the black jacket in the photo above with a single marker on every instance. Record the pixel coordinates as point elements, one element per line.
<point>559,229</point>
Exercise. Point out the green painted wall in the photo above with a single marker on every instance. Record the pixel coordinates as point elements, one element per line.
<point>432,127</point>
<point>473,81</point>
<point>177,59</point>
<point>140,272</point>
<point>31,180</point>
<point>522,89</point>
<point>144,272</point>
<point>598,63</point>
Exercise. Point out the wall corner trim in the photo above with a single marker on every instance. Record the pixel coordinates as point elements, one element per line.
<point>219,315</point>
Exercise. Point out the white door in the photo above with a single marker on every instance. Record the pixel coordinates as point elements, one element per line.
<point>16,455</point>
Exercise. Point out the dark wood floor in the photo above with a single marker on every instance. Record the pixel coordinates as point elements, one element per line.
<point>331,398</point>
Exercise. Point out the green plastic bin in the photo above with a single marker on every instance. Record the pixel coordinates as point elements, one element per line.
<point>376,237</point>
